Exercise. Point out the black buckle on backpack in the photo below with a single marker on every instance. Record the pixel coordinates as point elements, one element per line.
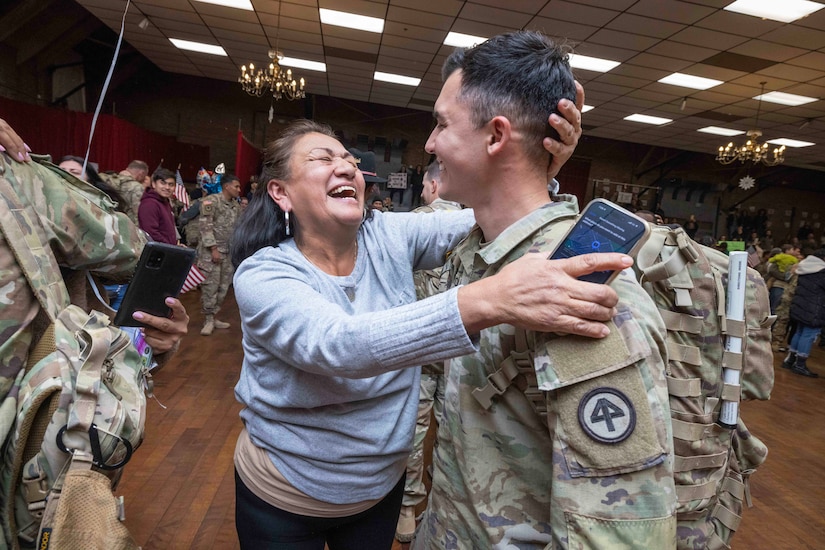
<point>97,453</point>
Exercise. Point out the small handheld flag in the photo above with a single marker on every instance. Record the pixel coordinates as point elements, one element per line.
<point>180,190</point>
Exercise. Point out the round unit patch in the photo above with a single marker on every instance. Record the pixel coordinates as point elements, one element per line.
<point>607,415</point>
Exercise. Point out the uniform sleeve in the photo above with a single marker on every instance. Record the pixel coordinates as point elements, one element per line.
<point>206,223</point>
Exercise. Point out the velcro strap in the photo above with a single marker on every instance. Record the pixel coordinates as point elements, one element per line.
<point>681,322</point>
<point>731,392</point>
<point>736,328</point>
<point>688,463</point>
<point>731,359</point>
<point>683,297</point>
<point>717,542</point>
<point>684,387</point>
<point>728,518</point>
<point>685,493</point>
<point>497,383</point>
<point>690,431</point>
<point>735,487</point>
<point>684,354</point>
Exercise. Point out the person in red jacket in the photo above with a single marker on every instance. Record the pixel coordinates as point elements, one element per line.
<point>155,214</point>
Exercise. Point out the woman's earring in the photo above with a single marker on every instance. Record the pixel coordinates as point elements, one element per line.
<point>286,223</point>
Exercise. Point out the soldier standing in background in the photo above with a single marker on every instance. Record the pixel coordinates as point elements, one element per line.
<point>431,396</point>
<point>215,223</point>
<point>130,184</point>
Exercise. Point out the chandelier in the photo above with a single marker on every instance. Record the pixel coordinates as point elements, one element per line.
<point>752,150</point>
<point>274,79</point>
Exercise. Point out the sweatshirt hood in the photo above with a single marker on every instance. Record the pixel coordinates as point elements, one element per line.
<point>811,264</point>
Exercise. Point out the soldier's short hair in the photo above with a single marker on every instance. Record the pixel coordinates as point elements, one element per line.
<point>521,75</point>
<point>138,165</point>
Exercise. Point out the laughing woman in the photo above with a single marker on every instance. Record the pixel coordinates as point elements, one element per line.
<point>330,325</point>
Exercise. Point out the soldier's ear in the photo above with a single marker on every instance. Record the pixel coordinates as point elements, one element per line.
<point>277,192</point>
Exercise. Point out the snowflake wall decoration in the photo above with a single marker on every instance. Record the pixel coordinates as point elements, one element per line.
<point>746,183</point>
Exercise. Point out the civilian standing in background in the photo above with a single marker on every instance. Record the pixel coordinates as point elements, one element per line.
<point>807,311</point>
<point>416,182</point>
<point>691,226</point>
<point>155,212</point>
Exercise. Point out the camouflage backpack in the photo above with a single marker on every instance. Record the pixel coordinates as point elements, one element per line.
<point>712,464</point>
<point>80,410</point>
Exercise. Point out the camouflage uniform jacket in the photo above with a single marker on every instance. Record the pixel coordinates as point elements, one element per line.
<point>84,231</point>
<point>596,471</point>
<point>216,222</point>
<point>130,189</point>
<point>429,282</point>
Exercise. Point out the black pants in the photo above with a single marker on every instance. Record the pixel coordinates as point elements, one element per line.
<point>263,526</point>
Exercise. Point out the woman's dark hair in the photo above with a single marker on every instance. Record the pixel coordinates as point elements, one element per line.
<point>262,223</point>
<point>93,177</point>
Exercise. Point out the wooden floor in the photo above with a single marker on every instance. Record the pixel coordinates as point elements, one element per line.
<point>179,486</point>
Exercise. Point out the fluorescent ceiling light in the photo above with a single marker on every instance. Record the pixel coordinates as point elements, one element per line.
<point>592,63</point>
<point>197,47</point>
<point>785,11</point>
<point>303,64</point>
<point>785,99</point>
<point>240,4</point>
<point>586,108</point>
<point>790,142</point>
<point>690,81</point>
<point>716,130</point>
<point>458,40</point>
<point>351,21</point>
<point>397,79</point>
<point>646,119</point>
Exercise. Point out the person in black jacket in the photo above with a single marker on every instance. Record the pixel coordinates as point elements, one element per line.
<point>808,311</point>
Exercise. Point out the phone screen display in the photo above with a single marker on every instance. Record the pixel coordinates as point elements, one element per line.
<point>601,228</point>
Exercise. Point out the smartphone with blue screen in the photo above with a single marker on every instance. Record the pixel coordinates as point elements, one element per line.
<point>603,227</point>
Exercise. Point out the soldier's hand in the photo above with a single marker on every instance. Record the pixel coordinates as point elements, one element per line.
<point>216,256</point>
<point>163,333</point>
<point>12,143</point>
<point>569,129</point>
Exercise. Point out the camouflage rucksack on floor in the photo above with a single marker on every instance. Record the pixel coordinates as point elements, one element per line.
<point>80,411</point>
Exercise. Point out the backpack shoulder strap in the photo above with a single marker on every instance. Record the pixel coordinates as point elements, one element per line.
<point>36,260</point>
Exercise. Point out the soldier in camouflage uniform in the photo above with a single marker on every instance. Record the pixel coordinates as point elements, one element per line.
<point>586,463</point>
<point>130,183</point>
<point>431,396</point>
<point>215,224</point>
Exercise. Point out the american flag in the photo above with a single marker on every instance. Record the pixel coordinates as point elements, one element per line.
<point>180,190</point>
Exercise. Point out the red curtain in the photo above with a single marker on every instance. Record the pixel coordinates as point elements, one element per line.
<point>247,161</point>
<point>115,144</point>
